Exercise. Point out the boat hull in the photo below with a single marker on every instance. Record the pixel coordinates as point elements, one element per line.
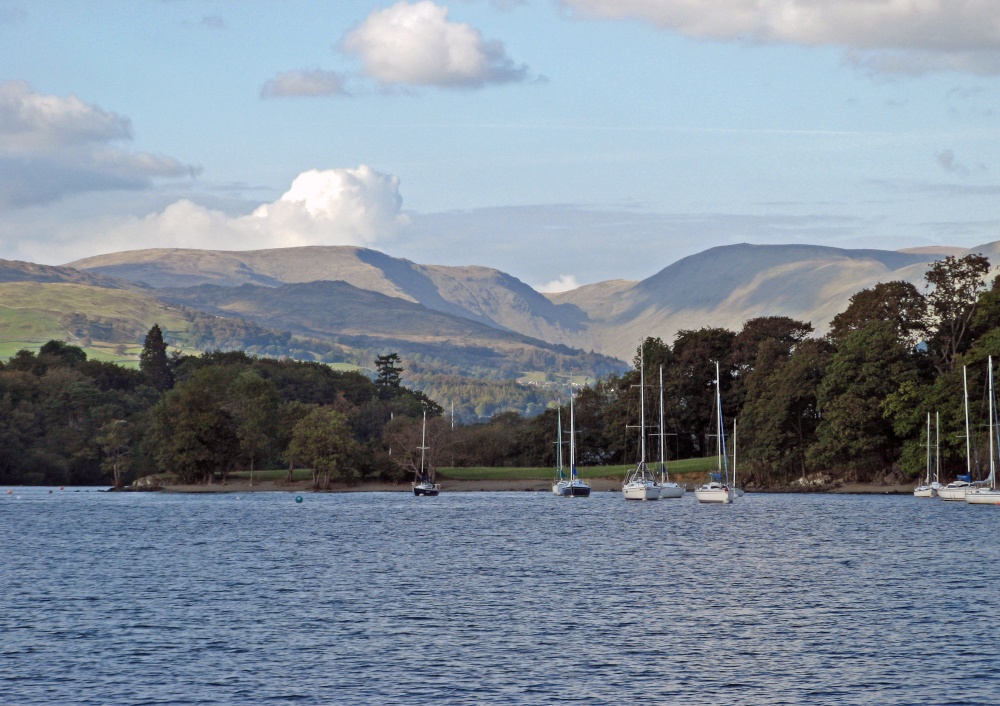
<point>640,491</point>
<point>571,489</point>
<point>426,489</point>
<point>925,491</point>
<point>714,495</point>
<point>671,490</point>
<point>952,493</point>
<point>983,496</point>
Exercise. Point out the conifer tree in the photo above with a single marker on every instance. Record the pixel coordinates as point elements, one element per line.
<point>153,362</point>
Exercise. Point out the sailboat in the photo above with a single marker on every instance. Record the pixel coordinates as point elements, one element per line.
<point>957,488</point>
<point>424,483</point>
<point>561,486</point>
<point>574,487</point>
<point>718,490</point>
<point>988,493</point>
<point>640,483</point>
<point>667,489</point>
<point>928,489</point>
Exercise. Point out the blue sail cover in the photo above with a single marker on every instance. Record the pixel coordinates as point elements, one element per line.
<point>574,472</point>
<point>715,476</point>
<point>967,478</point>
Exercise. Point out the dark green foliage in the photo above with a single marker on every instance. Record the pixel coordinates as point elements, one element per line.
<point>153,363</point>
<point>387,372</point>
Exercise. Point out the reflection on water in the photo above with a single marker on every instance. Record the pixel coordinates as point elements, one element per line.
<point>500,598</point>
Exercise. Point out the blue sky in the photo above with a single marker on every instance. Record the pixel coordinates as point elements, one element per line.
<point>563,141</point>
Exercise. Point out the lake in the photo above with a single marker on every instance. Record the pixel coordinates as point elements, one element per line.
<point>495,598</point>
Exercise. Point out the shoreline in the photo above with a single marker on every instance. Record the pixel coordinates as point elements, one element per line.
<point>473,486</point>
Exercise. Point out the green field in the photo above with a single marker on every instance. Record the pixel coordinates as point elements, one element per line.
<point>695,467</point>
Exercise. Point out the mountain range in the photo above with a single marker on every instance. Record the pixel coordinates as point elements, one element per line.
<point>339,301</point>
<point>722,286</point>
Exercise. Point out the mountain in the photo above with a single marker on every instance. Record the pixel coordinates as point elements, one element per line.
<point>18,271</point>
<point>722,286</point>
<point>481,294</point>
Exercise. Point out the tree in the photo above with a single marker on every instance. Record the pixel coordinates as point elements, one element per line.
<point>115,439</point>
<point>254,405</point>
<point>153,361</point>
<point>897,302</point>
<point>855,431</point>
<point>955,285</point>
<point>388,371</point>
<point>322,439</point>
<point>781,414</point>
<point>193,432</point>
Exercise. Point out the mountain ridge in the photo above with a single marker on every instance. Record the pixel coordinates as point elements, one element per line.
<point>721,286</point>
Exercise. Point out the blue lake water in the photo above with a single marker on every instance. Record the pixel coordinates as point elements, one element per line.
<point>495,598</point>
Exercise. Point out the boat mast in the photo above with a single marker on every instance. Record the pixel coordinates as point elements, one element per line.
<point>968,442</point>
<point>642,408</point>
<point>992,465</point>
<point>734,452</point>
<point>572,439</point>
<point>937,447</point>
<point>664,476</point>
<point>720,427</point>
<point>423,445</point>
<point>559,442</point>
<point>927,475</point>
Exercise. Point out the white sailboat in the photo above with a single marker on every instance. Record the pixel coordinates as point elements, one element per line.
<point>640,483</point>
<point>718,490</point>
<point>988,493</point>
<point>667,489</point>
<point>927,489</point>
<point>561,486</point>
<point>957,488</point>
<point>424,483</point>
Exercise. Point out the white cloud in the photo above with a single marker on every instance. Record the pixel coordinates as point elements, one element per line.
<point>957,35</point>
<point>314,82</point>
<point>330,207</point>
<point>51,146</point>
<point>416,44</point>
<point>563,284</point>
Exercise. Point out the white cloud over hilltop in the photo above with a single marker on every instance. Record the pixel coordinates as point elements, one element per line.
<point>52,146</point>
<point>416,44</point>
<point>329,207</point>
<point>919,35</point>
<point>564,283</point>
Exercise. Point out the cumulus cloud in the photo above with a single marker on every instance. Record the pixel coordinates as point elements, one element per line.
<point>416,44</point>
<point>315,82</point>
<point>563,284</point>
<point>51,146</point>
<point>329,207</point>
<point>919,35</point>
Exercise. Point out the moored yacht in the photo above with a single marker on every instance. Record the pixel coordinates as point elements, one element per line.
<point>424,483</point>
<point>718,489</point>
<point>640,482</point>
<point>988,493</point>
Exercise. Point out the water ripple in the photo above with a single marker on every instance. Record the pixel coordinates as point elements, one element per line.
<point>495,598</point>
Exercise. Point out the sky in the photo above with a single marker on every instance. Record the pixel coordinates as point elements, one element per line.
<point>565,142</point>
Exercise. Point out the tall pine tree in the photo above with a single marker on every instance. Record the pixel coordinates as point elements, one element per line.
<point>153,362</point>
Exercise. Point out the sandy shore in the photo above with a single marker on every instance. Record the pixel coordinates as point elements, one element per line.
<point>467,486</point>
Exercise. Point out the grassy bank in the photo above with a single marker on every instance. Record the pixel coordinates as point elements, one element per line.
<point>693,469</point>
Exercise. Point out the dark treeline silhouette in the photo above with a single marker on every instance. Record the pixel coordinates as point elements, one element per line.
<point>850,405</point>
